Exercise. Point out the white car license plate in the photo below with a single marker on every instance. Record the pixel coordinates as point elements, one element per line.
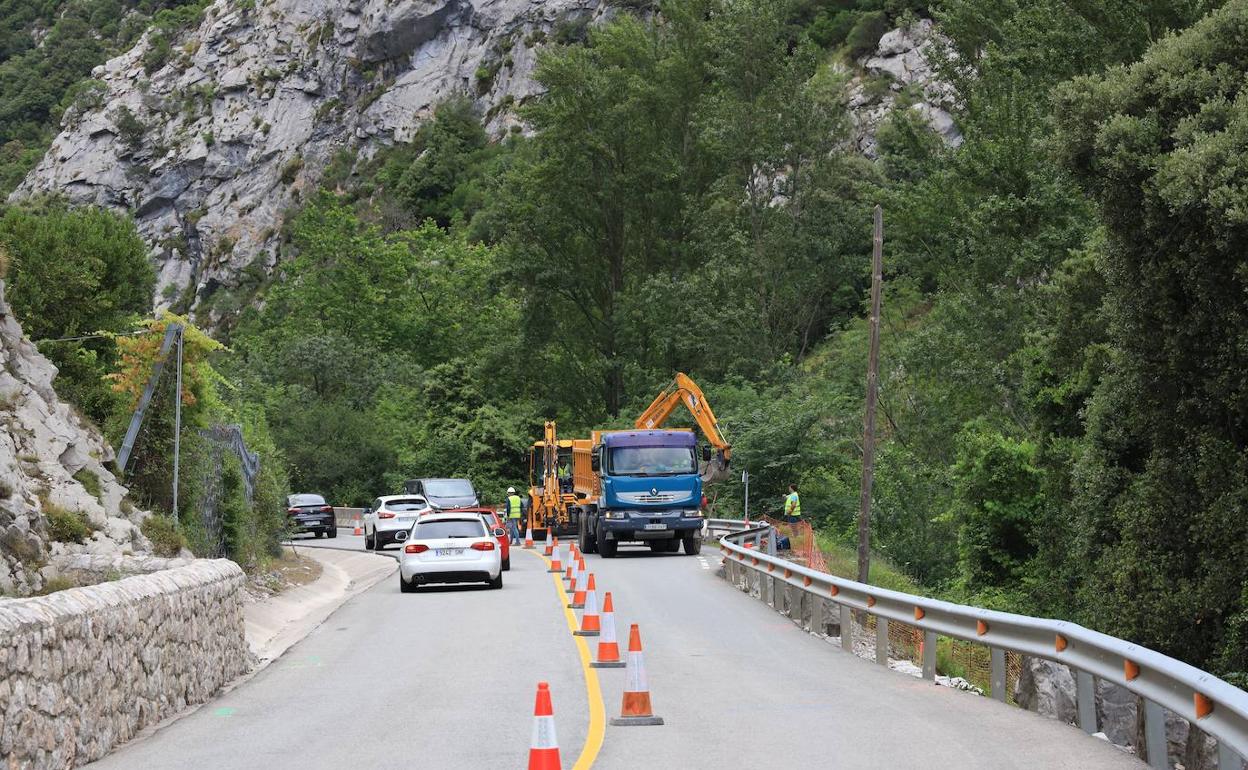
<point>656,526</point>
<point>449,551</point>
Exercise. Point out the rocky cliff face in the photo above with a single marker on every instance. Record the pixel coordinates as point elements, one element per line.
<point>48,459</point>
<point>212,147</point>
<point>901,74</point>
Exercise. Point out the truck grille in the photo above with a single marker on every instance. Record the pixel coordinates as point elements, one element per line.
<point>646,497</point>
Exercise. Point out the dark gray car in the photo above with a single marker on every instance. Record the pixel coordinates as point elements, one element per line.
<point>444,494</point>
<point>310,513</point>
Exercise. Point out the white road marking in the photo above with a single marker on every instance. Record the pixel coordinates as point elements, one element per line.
<point>702,562</point>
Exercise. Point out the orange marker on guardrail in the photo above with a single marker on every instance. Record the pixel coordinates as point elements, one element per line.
<point>590,625</point>
<point>636,709</point>
<point>608,647</point>
<point>555,566</point>
<point>544,746</point>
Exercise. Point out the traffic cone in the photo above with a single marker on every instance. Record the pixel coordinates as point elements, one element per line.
<point>550,548</point>
<point>590,622</point>
<point>528,537</point>
<point>608,647</point>
<point>555,566</point>
<point>571,576</point>
<point>544,747</point>
<point>636,707</point>
<point>358,531</point>
<point>578,594</point>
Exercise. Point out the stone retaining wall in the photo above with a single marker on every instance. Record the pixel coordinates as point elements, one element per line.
<point>85,669</point>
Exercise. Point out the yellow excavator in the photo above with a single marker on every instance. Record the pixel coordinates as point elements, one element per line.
<point>683,390</point>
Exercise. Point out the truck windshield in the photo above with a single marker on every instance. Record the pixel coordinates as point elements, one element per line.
<point>652,461</point>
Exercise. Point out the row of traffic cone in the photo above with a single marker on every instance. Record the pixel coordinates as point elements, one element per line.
<point>636,708</point>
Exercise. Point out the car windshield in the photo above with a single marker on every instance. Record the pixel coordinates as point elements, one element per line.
<point>449,488</point>
<point>298,500</point>
<point>415,504</point>
<point>436,530</point>
<point>652,461</point>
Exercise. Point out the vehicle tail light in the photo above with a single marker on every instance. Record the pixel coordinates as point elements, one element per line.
<point>292,510</point>
<point>415,548</point>
<point>488,545</point>
<point>385,515</point>
<point>327,509</point>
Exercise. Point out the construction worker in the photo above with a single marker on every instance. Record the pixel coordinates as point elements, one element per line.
<point>513,510</point>
<point>565,475</point>
<point>792,506</point>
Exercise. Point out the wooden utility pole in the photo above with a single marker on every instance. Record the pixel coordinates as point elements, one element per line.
<point>873,376</point>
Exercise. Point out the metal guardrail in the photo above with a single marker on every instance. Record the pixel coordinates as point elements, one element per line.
<point>1216,707</point>
<point>345,517</point>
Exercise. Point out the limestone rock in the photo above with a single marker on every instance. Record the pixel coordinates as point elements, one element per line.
<point>45,451</point>
<point>257,100</point>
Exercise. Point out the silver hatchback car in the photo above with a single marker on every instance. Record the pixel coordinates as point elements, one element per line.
<point>450,548</point>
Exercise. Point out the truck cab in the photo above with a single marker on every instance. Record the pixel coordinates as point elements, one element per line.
<point>649,491</point>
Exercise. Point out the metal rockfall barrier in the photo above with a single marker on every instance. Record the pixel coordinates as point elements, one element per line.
<point>1216,707</point>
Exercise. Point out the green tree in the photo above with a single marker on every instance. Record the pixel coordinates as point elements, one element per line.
<point>1161,148</point>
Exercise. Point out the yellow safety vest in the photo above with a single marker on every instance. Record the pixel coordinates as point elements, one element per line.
<point>793,505</point>
<point>513,507</point>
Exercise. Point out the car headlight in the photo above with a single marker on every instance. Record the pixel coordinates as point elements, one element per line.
<point>616,514</point>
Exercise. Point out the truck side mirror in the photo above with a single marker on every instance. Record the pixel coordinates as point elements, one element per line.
<point>595,462</point>
<point>706,454</point>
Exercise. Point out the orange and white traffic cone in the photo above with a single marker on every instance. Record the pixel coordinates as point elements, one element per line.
<point>590,625</point>
<point>555,566</point>
<point>359,530</point>
<point>636,709</point>
<point>544,747</point>
<point>578,593</point>
<point>528,537</point>
<point>571,576</point>
<point>550,548</point>
<point>608,647</point>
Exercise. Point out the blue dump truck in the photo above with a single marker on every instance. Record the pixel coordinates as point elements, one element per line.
<point>638,486</point>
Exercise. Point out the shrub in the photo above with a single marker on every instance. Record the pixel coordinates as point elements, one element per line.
<point>866,34</point>
<point>831,29</point>
<point>157,53</point>
<point>89,482</point>
<point>166,539</point>
<point>66,526</point>
<point>54,585</point>
<point>292,169</point>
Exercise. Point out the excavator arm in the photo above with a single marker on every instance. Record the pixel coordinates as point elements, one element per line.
<point>684,390</point>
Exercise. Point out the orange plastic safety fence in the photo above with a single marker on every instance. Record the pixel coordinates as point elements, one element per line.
<point>804,547</point>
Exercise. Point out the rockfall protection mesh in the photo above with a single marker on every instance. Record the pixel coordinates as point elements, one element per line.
<point>221,438</point>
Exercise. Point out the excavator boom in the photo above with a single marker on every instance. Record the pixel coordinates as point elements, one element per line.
<point>684,390</point>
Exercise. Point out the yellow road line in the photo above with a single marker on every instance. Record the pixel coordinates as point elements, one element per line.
<point>593,692</point>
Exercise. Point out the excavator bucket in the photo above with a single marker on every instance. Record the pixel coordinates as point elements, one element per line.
<point>715,470</point>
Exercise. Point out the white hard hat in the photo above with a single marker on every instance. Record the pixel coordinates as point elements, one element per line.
<point>511,490</point>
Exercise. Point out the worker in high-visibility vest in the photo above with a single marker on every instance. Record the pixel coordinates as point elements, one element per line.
<point>792,506</point>
<point>514,510</point>
<point>565,475</point>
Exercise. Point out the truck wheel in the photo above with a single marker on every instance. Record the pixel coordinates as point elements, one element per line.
<point>671,546</point>
<point>693,546</point>
<point>607,548</point>
<point>588,543</point>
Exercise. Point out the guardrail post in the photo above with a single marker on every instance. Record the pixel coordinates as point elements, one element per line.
<point>929,655</point>
<point>998,673</point>
<point>1085,687</point>
<point>816,615</point>
<point>847,629</point>
<point>1227,758</point>
<point>771,542</point>
<point>1155,735</point>
<point>881,640</point>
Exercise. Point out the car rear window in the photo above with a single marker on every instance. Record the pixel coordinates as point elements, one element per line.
<point>449,488</point>
<point>433,530</point>
<point>406,505</point>
<point>296,500</point>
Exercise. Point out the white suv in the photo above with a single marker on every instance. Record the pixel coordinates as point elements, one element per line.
<point>450,548</point>
<point>390,519</point>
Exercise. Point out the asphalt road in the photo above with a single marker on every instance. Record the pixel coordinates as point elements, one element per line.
<point>445,679</point>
